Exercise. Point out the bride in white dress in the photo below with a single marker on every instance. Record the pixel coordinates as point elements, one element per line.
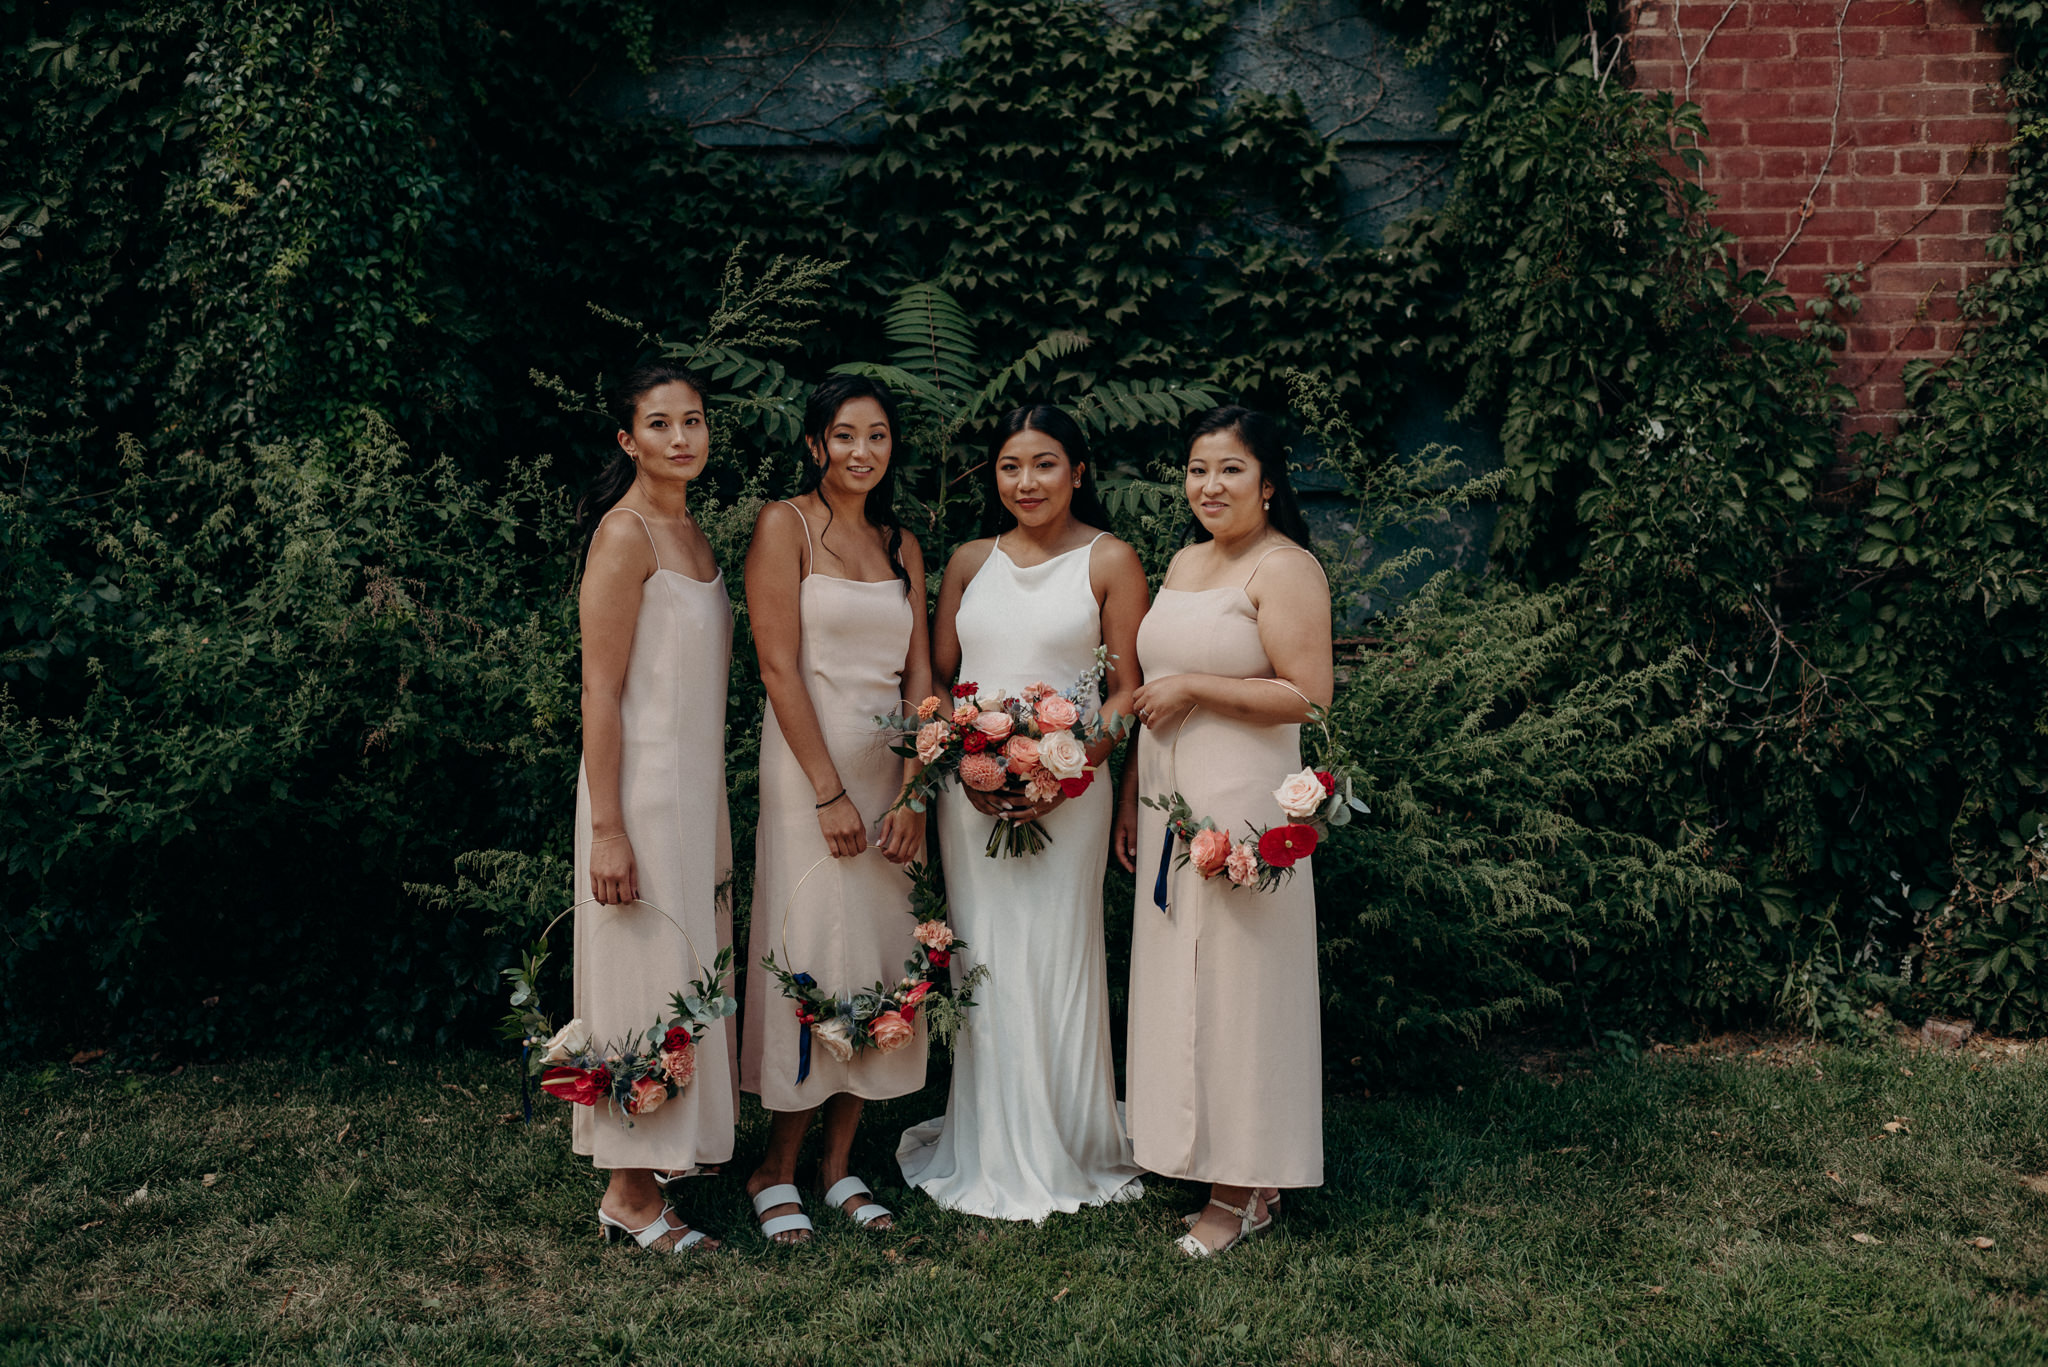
<point>1031,1124</point>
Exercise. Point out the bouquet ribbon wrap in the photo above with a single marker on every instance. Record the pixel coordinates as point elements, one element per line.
<point>1159,883</point>
<point>803,1041</point>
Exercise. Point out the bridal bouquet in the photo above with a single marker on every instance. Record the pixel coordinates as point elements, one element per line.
<point>630,1077</point>
<point>1035,742</point>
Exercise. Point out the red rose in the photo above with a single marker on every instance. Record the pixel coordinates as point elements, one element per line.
<point>1074,787</point>
<point>676,1038</point>
<point>1329,782</point>
<point>1282,845</point>
<point>938,958</point>
<point>973,742</point>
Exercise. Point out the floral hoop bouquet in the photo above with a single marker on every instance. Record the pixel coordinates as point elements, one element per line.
<point>1313,801</point>
<point>633,1076</point>
<point>881,1017</point>
<point>1037,741</point>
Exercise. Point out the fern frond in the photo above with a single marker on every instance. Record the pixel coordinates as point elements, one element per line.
<point>1117,403</point>
<point>1050,348</point>
<point>936,335</point>
<point>936,402</point>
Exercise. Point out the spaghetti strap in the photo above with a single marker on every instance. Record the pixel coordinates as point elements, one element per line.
<point>1275,551</point>
<point>810,554</point>
<point>645,528</point>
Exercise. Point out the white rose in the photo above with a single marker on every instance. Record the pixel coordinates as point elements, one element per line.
<point>1302,795</point>
<point>569,1041</point>
<point>837,1037</point>
<point>1062,755</point>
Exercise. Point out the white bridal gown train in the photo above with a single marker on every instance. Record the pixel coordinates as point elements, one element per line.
<point>1031,1124</point>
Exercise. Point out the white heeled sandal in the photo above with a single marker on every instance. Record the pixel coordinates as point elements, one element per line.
<point>781,1194</point>
<point>844,1190</point>
<point>618,1231</point>
<point>1246,1228</point>
<point>1194,1217</point>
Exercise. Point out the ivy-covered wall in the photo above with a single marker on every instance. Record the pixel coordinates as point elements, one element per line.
<point>298,302</point>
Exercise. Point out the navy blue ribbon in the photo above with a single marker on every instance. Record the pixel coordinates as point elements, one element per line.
<point>803,1042</point>
<point>1159,884</point>
<point>525,1083</point>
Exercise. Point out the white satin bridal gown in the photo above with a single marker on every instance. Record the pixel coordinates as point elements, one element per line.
<point>1031,1124</point>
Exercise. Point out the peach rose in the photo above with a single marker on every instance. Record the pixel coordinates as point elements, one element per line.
<point>995,725</point>
<point>1243,864</point>
<point>1056,713</point>
<point>981,772</point>
<point>1062,754</point>
<point>928,709</point>
<point>1041,787</point>
<point>931,740</point>
<point>1301,796</point>
<point>890,1031</point>
<point>965,713</point>
<point>680,1064</point>
<point>933,934</point>
<point>648,1094</point>
<point>1022,752</point>
<point>1208,851</point>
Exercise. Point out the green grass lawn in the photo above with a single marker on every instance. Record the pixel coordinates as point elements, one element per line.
<point>1670,1210</point>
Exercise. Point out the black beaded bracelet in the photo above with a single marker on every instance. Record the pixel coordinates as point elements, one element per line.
<point>830,800</point>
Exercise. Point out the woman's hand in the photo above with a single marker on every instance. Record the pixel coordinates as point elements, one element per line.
<point>1124,835</point>
<point>846,835</point>
<point>1161,702</point>
<point>902,835</point>
<point>1008,803</point>
<point>614,879</point>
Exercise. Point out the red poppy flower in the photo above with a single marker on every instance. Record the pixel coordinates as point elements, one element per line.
<point>1074,787</point>
<point>1282,845</point>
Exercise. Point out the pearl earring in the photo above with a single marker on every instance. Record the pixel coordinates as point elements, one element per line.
<point>1267,504</point>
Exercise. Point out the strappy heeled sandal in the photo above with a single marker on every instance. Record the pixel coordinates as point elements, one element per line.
<point>1195,1248</point>
<point>618,1231</point>
<point>844,1190</point>
<point>662,1179</point>
<point>1194,1217</point>
<point>781,1194</point>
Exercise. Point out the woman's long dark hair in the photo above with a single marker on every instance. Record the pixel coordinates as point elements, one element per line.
<point>821,410</point>
<point>1267,444</point>
<point>1054,423</point>
<point>605,491</point>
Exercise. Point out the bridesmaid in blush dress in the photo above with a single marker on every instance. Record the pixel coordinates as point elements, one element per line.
<point>1031,1125</point>
<point>650,795</point>
<point>835,590</point>
<point>1225,1036</point>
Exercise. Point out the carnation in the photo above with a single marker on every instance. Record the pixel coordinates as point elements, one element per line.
<point>933,934</point>
<point>680,1063</point>
<point>931,740</point>
<point>928,709</point>
<point>1243,864</point>
<point>1041,786</point>
<point>981,772</point>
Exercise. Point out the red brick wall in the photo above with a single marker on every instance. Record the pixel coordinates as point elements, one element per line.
<point>1841,132</point>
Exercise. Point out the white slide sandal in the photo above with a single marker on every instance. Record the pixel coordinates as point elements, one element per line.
<point>782,1194</point>
<point>844,1190</point>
